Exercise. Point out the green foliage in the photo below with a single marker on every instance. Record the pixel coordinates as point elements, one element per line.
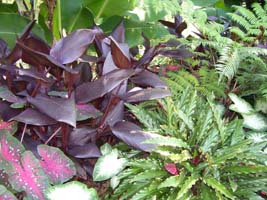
<point>210,157</point>
<point>252,24</point>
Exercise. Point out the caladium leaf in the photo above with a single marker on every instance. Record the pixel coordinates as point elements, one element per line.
<point>89,150</point>
<point>10,151</point>
<point>147,94</point>
<point>148,79</point>
<point>93,90</point>
<point>70,191</point>
<point>29,177</point>
<point>60,109</point>
<point>71,47</point>
<point>8,127</point>
<point>6,194</point>
<point>86,111</point>
<point>120,56</point>
<point>108,166</point>
<point>133,135</point>
<point>7,95</point>
<point>58,167</point>
<point>34,117</point>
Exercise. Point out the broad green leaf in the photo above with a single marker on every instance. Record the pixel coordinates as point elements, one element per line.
<point>107,8</point>
<point>240,105</point>
<point>12,24</point>
<point>261,105</point>
<point>71,15</point>
<point>134,29</point>
<point>187,186</point>
<point>71,190</point>
<point>212,182</point>
<point>108,166</point>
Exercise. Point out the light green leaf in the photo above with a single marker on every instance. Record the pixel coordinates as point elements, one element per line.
<point>255,122</point>
<point>173,181</point>
<point>212,182</point>
<point>105,149</point>
<point>70,191</point>
<point>167,141</point>
<point>187,186</point>
<point>240,105</point>
<point>108,166</point>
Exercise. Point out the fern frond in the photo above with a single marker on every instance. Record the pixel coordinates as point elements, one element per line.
<point>229,61</point>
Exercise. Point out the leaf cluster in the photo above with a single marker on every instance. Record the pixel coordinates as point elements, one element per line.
<point>199,155</point>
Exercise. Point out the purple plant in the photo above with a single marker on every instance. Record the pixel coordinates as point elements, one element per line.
<point>74,100</point>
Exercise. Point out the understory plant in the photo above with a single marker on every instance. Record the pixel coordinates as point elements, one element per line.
<point>71,95</point>
<point>198,155</point>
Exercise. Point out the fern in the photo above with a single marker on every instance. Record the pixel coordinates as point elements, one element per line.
<point>207,158</point>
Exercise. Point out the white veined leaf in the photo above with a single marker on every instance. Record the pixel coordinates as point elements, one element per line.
<point>255,122</point>
<point>108,166</point>
<point>240,105</point>
<point>70,191</point>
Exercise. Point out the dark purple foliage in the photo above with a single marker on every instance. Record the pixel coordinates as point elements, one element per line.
<point>73,100</point>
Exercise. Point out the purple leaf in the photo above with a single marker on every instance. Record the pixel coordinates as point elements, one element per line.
<point>81,136</point>
<point>93,90</point>
<point>115,115</point>
<point>3,49</point>
<point>146,94</point>
<point>147,78</point>
<point>29,177</point>
<point>35,44</point>
<point>34,117</point>
<point>177,53</point>
<point>119,33</point>
<point>148,56</point>
<point>58,167</point>
<point>6,112</point>
<point>44,59</point>
<point>7,95</point>
<point>71,47</point>
<point>109,64</point>
<point>133,135</point>
<point>33,74</point>
<point>87,111</point>
<point>120,56</point>
<point>60,109</point>
<point>6,194</point>
<point>89,150</point>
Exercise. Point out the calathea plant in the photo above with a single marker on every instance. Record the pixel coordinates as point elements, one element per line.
<point>198,155</point>
<point>62,96</point>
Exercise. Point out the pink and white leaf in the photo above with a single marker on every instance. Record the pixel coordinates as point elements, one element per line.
<point>58,167</point>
